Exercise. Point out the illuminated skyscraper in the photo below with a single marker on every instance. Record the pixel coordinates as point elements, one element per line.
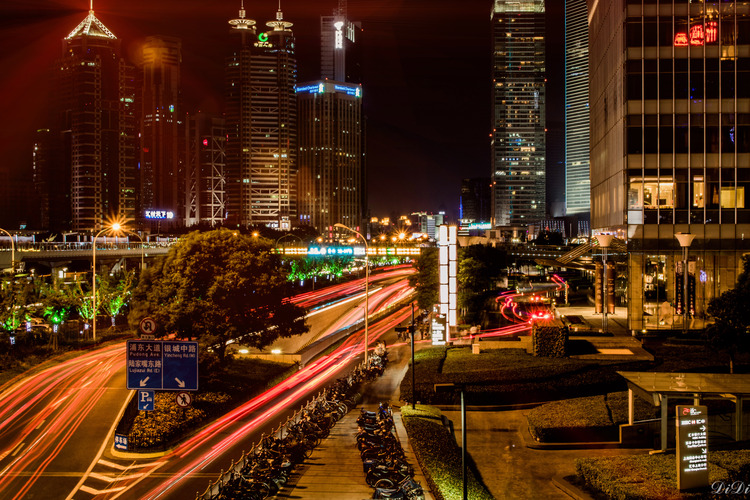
<point>96,94</point>
<point>340,52</point>
<point>518,98</point>
<point>162,177</point>
<point>577,181</point>
<point>261,120</point>
<point>331,183</point>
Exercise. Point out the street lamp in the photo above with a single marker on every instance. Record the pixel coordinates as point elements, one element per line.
<point>685,240</point>
<point>367,286</point>
<point>12,251</point>
<point>141,240</point>
<point>461,388</point>
<point>115,227</point>
<point>604,241</point>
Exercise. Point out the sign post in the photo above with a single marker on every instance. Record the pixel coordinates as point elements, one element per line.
<point>162,365</point>
<point>692,447</point>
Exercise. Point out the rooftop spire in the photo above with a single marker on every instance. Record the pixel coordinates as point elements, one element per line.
<point>241,23</point>
<point>279,24</point>
<point>91,26</point>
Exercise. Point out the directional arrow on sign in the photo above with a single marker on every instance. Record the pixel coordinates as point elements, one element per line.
<point>703,427</point>
<point>144,381</point>
<point>180,383</point>
<point>704,451</point>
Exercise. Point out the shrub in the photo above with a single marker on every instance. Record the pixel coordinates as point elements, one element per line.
<point>439,455</point>
<point>642,477</point>
<point>585,419</point>
<point>548,339</point>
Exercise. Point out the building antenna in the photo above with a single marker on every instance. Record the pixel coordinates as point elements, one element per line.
<point>91,5</point>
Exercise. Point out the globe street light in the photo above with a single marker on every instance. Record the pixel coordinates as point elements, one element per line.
<point>685,240</point>
<point>12,251</point>
<point>115,228</point>
<point>604,241</point>
<point>367,284</point>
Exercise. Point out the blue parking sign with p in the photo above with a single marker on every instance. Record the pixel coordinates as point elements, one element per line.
<point>145,400</point>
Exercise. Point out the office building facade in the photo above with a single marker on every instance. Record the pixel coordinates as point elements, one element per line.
<point>261,121</point>
<point>96,119</point>
<point>162,134</point>
<point>577,180</point>
<point>670,149</point>
<point>519,117</point>
<point>331,177</point>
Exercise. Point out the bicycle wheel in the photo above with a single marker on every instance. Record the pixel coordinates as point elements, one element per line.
<point>384,483</point>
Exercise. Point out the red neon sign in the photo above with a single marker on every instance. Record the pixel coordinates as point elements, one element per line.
<point>696,35</point>
<point>699,35</point>
<point>712,31</point>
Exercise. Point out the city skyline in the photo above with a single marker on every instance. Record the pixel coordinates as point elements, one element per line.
<point>413,54</point>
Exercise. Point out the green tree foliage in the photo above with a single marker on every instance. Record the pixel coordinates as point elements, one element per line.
<point>426,281</point>
<point>479,268</point>
<point>15,295</point>
<point>114,293</point>
<point>218,286</point>
<point>730,333</point>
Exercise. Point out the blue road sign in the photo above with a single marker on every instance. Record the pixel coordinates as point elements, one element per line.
<point>145,400</point>
<point>162,365</point>
<point>121,441</point>
<point>180,366</point>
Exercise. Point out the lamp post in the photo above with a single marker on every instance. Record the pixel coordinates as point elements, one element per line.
<point>367,286</point>
<point>141,240</point>
<point>12,251</point>
<point>452,388</point>
<point>685,240</point>
<point>604,241</point>
<point>114,228</point>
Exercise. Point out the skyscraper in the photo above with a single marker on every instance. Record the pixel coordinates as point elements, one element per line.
<point>162,177</point>
<point>96,112</point>
<point>340,52</point>
<point>577,181</point>
<point>261,120</point>
<point>670,147</point>
<point>518,99</point>
<point>330,155</point>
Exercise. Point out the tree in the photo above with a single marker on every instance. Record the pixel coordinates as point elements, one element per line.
<point>479,268</point>
<point>14,299</point>
<point>730,332</point>
<point>426,281</point>
<point>219,286</point>
<point>115,293</point>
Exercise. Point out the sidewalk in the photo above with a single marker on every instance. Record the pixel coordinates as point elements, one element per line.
<point>334,470</point>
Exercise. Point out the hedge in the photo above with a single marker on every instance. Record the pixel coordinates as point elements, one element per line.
<point>654,477</point>
<point>548,339</point>
<point>591,418</point>
<point>439,455</point>
<point>507,376</point>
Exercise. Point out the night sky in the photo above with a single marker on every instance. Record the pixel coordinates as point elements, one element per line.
<point>426,78</point>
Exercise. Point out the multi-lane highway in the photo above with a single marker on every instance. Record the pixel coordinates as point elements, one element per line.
<point>56,426</point>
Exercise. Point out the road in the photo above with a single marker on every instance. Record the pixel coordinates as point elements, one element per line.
<point>56,426</point>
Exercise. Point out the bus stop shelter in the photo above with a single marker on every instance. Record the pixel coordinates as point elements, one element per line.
<point>659,387</point>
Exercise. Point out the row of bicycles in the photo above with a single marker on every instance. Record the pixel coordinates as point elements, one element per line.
<point>266,469</point>
<point>383,459</point>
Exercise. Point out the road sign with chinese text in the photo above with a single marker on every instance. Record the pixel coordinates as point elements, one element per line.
<point>162,365</point>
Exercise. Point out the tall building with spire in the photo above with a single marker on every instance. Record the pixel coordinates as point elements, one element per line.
<point>162,134</point>
<point>340,52</point>
<point>261,121</point>
<point>96,120</point>
<point>519,117</point>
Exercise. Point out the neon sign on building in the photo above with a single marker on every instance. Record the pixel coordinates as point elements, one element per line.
<point>699,35</point>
